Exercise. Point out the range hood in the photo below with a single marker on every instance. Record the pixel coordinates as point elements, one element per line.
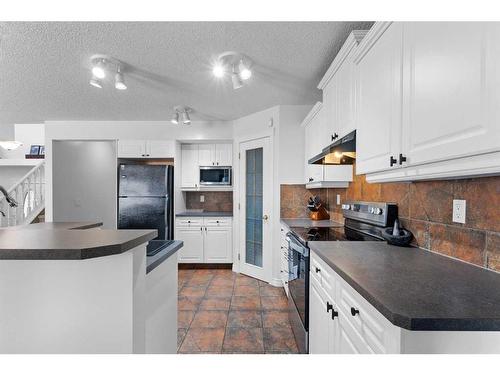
<point>341,152</point>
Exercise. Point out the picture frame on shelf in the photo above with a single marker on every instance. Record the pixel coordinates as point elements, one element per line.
<point>34,150</point>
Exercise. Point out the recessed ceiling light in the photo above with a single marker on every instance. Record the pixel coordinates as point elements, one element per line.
<point>218,70</point>
<point>119,81</point>
<point>245,73</point>
<point>98,70</point>
<point>94,81</point>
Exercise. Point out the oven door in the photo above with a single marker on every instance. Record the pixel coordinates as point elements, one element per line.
<point>215,176</point>
<point>298,285</point>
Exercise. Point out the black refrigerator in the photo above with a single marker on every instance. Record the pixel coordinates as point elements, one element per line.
<point>145,198</point>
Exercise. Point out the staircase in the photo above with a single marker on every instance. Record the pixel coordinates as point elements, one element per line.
<point>29,192</point>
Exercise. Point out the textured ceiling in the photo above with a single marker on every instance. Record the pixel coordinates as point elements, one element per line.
<point>44,67</point>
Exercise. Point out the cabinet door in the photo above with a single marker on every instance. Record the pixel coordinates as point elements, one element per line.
<point>206,155</point>
<point>446,90</point>
<point>379,99</point>
<point>131,149</point>
<point>330,120</point>
<point>319,321</point>
<point>313,173</point>
<point>160,149</point>
<point>190,169</point>
<point>345,98</point>
<point>349,344</point>
<point>224,154</point>
<point>192,251</point>
<point>217,245</point>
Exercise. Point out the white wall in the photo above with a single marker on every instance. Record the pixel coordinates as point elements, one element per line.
<point>6,134</point>
<point>84,181</point>
<point>113,130</point>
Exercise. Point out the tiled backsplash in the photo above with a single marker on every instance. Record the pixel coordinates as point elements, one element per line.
<point>214,201</point>
<point>425,208</point>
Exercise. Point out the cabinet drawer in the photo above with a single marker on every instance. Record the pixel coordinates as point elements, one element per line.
<point>189,222</point>
<point>218,222</point>
<point>371,325</point>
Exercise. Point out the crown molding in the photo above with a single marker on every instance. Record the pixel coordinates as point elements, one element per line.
<point>312,113</point>
<point>370,39</point>
<point>352,41</point>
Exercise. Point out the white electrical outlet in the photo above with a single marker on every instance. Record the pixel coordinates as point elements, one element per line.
<point>338,199</point>
<point>202,198</point>
<point>459,211</point>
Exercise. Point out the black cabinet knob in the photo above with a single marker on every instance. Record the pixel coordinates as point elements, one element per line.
<point>311,179</point>
<point>402,159</point>
<point>354,311</point>
<point>334,314</point>
<point>393,161</point>
<point>329,306</point>
<point>317,269</point>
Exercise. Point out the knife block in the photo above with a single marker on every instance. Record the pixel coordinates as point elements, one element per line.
<point>321,214</point>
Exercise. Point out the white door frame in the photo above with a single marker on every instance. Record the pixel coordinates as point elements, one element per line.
<point>264,272</point>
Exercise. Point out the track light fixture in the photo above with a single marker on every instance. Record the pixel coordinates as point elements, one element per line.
<point>239,64</point>
<point>183,113</point>
<point>101,65</point>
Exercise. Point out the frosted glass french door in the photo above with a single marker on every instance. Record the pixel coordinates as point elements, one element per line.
<point>255,208</point>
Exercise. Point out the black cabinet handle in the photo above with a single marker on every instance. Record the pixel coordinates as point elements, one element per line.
<point>354,311</point>
<point>189,221</point>
<point>334,314</point>
<point>317,270</point>
<point>329,306</point>
<point>217,221</point>
<point>393,161</point>
<point>402,159</point>
<point>311,179</point>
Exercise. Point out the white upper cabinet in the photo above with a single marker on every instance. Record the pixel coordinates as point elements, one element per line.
<point>220,154</point>
<point>378,98</point>
<point>448,89</point>
<point>224,154</point>
<point>338,87</point>
<point>206,155</point>
<point>427,99</point>
<point>145,149</point>
<point>317,175</point>
<point>190,170</point>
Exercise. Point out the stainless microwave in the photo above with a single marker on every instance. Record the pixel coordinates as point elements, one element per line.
<point>215,176</point>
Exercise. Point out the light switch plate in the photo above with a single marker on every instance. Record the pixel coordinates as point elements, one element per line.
<point>202,198</point>
<point>459,211</point>
<point>338,199</point>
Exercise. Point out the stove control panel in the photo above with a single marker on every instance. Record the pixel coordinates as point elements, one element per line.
<point>378,213</point>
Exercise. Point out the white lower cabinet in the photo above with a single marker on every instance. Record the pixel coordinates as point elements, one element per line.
<point>358,327</point>
<point>206,240</point>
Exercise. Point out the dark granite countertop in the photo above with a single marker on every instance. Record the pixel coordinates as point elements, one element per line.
<point>416,289</point>
<point>204,214</point>
<point>58,225</point>
<point>154,261</point>
<point>29,244</point>
<point>307,223</point>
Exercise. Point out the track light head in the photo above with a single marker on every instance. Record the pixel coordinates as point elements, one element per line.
<point>245,72</point>
<point>218,70</point>
<point>236,80</point>
<point>99,68</point>
<point>185,117</point>
<point>96,82</point>
<point>175,118</point>
<point>120,81</point>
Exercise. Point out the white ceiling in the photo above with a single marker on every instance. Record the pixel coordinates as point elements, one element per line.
<point>44,68</point>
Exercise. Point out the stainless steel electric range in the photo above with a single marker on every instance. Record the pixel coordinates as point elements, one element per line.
<point>363,221</point>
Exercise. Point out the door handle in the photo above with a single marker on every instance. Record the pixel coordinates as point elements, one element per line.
<point>402,159</point>
<point>265,217</point>
<point>354,311</point>
<point>393,161</point>
<point>329,306</point>
<point>334,314</point>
